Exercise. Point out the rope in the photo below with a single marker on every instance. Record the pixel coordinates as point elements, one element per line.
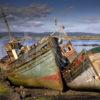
<point>6,22</point>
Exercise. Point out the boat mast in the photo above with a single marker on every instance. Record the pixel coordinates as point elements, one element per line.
<point>6,22</point>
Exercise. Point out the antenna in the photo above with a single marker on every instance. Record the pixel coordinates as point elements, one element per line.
<point>6,22</point>
<point>62,27</point>
<point>56,24</point>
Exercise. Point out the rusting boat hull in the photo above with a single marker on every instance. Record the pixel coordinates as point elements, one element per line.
<point>41,72</point>
<point>39,67</point>
<point>83,73</point>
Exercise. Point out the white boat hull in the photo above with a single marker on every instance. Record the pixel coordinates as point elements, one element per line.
<point>86,76</point>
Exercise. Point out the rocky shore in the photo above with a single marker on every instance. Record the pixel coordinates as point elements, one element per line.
<point>11,92</point>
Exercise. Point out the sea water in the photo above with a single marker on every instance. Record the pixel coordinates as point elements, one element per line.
<point>78,44</point>
<point>79,48</point>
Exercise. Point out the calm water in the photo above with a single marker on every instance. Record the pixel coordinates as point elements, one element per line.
<point>30,42</point>
<point>87,42</point>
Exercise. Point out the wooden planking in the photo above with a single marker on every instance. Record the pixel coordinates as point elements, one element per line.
<point>39,72</point>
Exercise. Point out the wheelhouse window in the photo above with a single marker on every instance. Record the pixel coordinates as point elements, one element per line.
<point>69,48</point>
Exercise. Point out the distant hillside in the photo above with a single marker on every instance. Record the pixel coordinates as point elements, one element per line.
<point>21,34</point>
<point>82,34</point>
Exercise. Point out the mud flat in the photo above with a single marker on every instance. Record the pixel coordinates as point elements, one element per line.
<point>10,92</point>
<point>68,95</point>
<point>19,93</point>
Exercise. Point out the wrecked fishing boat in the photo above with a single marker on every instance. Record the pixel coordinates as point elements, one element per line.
<point>38,65</point>
<point>84,72</point>
<point>35,66</point>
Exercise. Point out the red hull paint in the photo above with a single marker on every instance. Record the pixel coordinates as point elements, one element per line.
<point>55,77</point>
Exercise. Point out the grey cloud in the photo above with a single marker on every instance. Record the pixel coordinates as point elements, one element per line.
<point>25,16</point>
<point>34,10</point>
<point>90,20</point>
<point>35,23</point>
<point>69,9</point>
<point>32,23</point>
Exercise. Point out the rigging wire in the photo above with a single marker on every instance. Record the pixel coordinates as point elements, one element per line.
<point>6,22</point>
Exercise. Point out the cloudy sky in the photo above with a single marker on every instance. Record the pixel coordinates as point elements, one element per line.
<point>39,15</point>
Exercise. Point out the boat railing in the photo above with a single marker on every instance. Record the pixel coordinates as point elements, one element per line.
<point>33,53</point>
<point>75,65</point>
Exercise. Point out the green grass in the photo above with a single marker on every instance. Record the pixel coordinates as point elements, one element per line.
<point>3,88</point>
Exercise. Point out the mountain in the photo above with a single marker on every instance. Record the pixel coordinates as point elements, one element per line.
<point>22,34</point>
